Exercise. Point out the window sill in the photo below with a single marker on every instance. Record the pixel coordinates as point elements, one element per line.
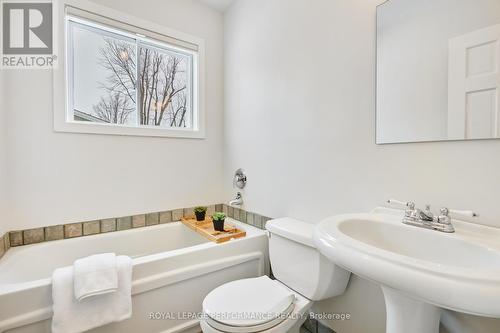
<point>106,129</point>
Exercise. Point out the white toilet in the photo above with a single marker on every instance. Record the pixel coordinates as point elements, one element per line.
<point>276,306</point>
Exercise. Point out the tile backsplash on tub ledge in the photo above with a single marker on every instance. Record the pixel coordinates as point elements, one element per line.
<point>244,216</point>
<point>89,228</point>
<point>4,244</point>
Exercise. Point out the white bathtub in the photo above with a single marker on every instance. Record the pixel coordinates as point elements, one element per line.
<point>174,268</point>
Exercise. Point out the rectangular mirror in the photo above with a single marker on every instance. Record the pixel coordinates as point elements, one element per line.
<point>438,70</point>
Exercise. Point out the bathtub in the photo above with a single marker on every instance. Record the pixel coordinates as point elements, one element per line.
<point>173,269</point>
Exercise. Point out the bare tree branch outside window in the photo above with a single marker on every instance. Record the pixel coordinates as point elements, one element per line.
<point>114,109</point>
<point>161,98</point>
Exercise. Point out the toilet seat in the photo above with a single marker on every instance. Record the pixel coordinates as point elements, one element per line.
<point>248,305</point>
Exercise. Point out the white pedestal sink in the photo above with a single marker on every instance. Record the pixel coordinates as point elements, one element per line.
<point>420,271</point>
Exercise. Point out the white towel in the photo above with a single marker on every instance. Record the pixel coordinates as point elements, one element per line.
<point>72,316</point>
<point>95,275</point>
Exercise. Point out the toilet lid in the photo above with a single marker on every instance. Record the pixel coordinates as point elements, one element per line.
<point>249,302</point>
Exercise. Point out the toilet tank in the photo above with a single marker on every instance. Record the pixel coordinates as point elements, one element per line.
<point>297,263</point>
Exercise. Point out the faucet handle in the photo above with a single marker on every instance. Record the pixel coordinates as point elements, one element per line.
<point>409,204</point>
<point>409,207</point>
<point>459,213</point>
<point>445,217</point>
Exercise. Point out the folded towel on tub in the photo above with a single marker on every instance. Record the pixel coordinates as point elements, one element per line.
<point>95,275</point>
<point>73,316</point>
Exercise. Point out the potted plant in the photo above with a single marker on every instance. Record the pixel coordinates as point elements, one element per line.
<point>218,219</point>
<point>200,212</point>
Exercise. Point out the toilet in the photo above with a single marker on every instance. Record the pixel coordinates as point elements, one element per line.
<point>261,304</point>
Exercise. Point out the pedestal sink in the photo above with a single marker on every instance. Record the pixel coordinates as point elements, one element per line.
<point>420,271</point>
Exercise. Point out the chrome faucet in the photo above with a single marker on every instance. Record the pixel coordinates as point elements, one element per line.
<point>426,219</point>
<point>237,201</point>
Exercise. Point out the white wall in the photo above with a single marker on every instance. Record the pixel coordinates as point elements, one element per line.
<point>59,177</point>
<point>3,159</point>
<point>413,63</point>
<point>300,118</point>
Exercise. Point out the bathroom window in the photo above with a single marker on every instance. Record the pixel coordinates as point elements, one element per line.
<point>125,80</point>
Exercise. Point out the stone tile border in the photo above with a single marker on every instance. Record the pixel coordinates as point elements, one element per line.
<point>4,244</point>
<point>89,228</point>
<point>244,216</point>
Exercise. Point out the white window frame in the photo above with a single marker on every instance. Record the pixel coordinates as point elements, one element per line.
<point>145,32</point>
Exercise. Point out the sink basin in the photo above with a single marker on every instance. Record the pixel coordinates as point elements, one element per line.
<point>421,246</point>
<point>420,271</point>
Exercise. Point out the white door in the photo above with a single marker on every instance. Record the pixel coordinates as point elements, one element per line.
<point>473,85</point>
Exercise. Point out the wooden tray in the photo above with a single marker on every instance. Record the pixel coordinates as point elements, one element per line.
<point>206,229</point>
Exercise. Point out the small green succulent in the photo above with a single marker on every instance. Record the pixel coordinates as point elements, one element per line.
<point>218,216</point>
<point>200,209</point>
